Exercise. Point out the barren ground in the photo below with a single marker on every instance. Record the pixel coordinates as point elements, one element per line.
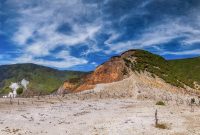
<point>95,117</point>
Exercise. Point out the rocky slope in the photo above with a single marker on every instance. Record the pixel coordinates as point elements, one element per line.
<point>110,71</point>
<point>130,63</point>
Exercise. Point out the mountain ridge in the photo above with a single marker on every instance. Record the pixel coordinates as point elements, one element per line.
<point>120,67</point>
<point>179,73</point>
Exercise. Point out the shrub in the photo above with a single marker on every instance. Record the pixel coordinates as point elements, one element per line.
<point>161,126</point>
<point>19,91</point>
<point>192,101</point>
<point>125,72</point>
<point>160,103</point>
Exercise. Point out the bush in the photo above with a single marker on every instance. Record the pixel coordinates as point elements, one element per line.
<point>161,126</point>
<point>160,103</point>
<point>192,101</point>
<point>5,90</point>
<point>19,91</point>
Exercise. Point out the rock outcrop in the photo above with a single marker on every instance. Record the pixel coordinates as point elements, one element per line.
<point>111,71</point>
<point>108,72</point>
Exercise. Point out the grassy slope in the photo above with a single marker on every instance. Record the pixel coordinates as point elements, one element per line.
<point>42,79</point>
<point>187,69</point>
<point>175,72</point>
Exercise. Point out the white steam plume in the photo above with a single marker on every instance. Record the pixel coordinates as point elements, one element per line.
<point>24,83</point>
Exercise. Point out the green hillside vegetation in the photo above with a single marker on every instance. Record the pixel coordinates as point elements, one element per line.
<point>42,79</point>
<point>187,69</point>
<point>176,72</point>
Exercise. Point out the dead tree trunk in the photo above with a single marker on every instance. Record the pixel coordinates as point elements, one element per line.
<point>156,118</point>
<point>10,100</point>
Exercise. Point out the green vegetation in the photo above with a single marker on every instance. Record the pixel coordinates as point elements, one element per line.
<point>175,72</point>
<point>19,91</point>
<point>42,79</point>
<point>160,103</point>
<point>187,70</point>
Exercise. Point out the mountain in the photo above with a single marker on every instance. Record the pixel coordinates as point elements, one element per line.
<point>178,73</point>
<point>42,79</point>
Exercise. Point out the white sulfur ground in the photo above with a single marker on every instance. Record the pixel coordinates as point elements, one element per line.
<point>95,117</point>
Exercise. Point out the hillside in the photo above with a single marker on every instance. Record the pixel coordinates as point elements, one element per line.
<point>42,79</point>
<point>178,73</point>
<point>188,70</point>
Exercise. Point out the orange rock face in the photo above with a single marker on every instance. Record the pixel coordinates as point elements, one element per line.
<point>108,72</point>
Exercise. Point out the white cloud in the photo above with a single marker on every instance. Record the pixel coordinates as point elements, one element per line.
<point>44,20</point>
<point>23,34</point>
<point>39,24</point>
<point>157,35</point>
<point>94,64</point>
<point>53,39</point>
<point>145,3</point>
<point>66,60</point>
<point>187,52</point>
<point>150,37</point>
<point>113,36</point>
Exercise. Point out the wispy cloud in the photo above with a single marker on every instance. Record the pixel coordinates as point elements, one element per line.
<point>66,60</point>
<point>38,28</point>
<point>188,52</point>
<point>38,33</point>
<point>158,35</point>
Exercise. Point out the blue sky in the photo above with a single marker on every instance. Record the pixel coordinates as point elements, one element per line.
<point>81,34</point>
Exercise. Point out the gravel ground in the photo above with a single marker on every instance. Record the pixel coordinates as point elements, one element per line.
<point>125,116</point>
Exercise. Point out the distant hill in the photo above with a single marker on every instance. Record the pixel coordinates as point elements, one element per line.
<point>178,73</point>
<point>42,79</point>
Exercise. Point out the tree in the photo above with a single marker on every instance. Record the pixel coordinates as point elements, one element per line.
<point>19,91</point>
